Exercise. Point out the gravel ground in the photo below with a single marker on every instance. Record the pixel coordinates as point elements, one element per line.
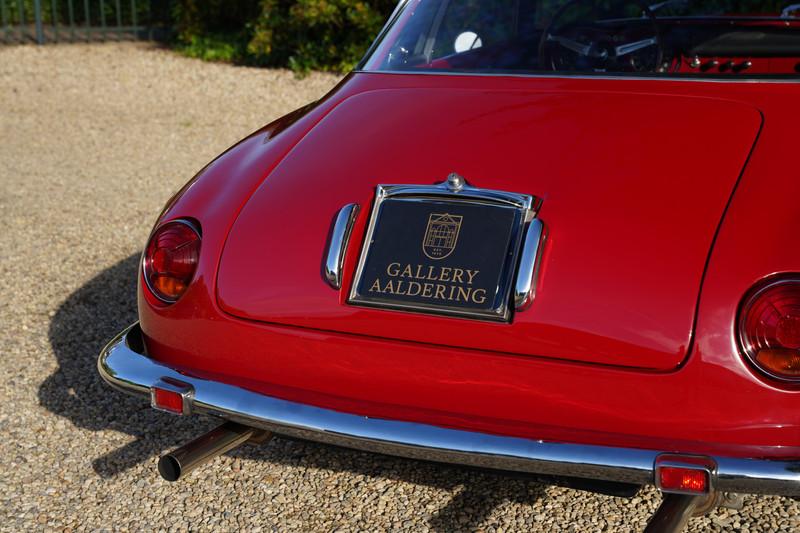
<point>93,140</point>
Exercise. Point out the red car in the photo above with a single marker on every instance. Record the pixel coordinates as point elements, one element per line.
<point>557,238</point>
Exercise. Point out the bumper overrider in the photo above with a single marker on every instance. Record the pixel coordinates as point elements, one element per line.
<point>123,365</point>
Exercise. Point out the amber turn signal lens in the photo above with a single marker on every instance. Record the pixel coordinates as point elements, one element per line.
<point>171,259</point>
<point>783,362</point>
<point>769,328</point>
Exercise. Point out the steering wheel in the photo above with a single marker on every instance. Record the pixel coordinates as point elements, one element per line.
<point>601,43</point>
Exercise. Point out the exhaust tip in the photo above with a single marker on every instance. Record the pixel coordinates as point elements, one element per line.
<point>181,461</point>
<point>169,468</point>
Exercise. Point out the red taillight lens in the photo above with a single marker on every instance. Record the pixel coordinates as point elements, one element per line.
<point>170,260</point>
<point>769,329</point>
<point>679,479</point>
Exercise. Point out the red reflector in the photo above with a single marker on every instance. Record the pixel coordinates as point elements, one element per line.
<point>674,478</point>
<point>168,400</point>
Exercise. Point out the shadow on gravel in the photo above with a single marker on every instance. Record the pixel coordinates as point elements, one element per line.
<point>479,491</point>
<point>96,312</point>
<point>86,320</point>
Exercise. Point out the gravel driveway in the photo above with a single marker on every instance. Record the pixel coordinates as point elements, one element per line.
<point>93,140</point>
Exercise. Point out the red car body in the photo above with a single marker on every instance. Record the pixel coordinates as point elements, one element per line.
<point>631,338</point>
<point>667,202</point>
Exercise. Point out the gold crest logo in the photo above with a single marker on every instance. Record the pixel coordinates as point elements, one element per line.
<point>441,236</point>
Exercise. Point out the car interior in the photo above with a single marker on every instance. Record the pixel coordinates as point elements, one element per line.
<point>672,37</point>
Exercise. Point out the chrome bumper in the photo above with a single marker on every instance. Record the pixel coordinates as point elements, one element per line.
<point>126,369</point>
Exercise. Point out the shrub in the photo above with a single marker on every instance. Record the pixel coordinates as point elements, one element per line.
<point>215,30</point>
<point>300,34</point>
<point>316,34</point>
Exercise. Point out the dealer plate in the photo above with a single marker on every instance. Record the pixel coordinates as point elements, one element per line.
<point>448,254</point>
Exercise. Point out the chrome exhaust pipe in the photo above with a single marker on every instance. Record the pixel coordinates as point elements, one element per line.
<point>226,437</point>
<point>674,513</point>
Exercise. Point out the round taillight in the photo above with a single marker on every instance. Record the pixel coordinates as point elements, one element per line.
<point>170,260</point>
<point>769,328</point>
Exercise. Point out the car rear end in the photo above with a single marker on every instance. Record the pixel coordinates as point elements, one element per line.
<point>647,326</point>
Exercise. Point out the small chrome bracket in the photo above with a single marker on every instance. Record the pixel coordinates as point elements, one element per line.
<point>185,390</point>
<point>455,182</point>
<point>731,500</point>
<point>340,236</point>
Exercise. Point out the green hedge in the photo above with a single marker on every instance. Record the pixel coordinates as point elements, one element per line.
<point>300,34</point>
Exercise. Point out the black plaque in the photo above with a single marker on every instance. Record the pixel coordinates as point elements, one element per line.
<point>440,256</point>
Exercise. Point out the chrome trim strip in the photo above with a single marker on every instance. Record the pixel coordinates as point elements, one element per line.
<point>727,79</point>
<point>464,192</point>
<point>340,237</point>
<point>133,373</point>
<point>532,246</point>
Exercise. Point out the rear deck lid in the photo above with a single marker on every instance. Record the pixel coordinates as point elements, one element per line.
<point>633,188</point>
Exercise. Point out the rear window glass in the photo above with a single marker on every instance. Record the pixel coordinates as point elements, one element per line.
<point>625,37</point>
